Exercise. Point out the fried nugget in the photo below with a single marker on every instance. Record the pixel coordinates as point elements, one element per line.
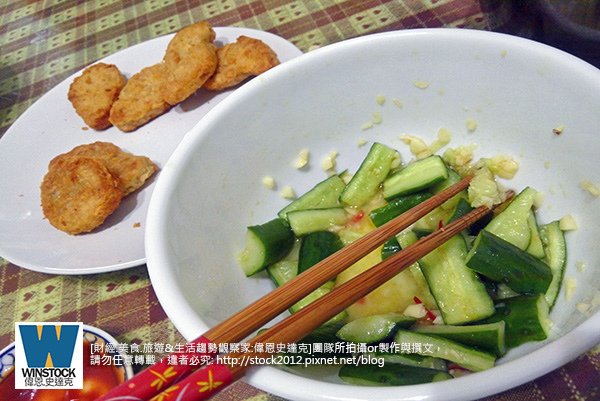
<point>78,194</point>
<point>239,60</point>
<point>94,92</point>
<point>190,59</point>
<point>130,170</point>
<point>140,100</point>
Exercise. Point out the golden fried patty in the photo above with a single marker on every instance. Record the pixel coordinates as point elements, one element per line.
<point>239,60</point>
<point>94,92</point>
<point>140,100</point>
<point>131,170</point>
<point>78,194</point>
<point>190,59</point>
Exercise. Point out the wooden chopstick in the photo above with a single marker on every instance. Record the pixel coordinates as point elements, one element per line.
<point>211,378</point>
<point>243,323</point>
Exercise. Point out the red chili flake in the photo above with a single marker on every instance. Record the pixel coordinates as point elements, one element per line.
<point>429,314</point>
<point>453,366</point>
<point>440,224</point>
<point>417,300</point>
<point>358,217</point>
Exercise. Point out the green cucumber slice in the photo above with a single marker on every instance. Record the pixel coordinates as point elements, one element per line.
<point>265,244</point>
<point>556,257</point>
<point>502,261</point>
<point>316,247</point>
<point>512,224</point>
<point>324,195</point>
<point>488,337</point>
<point>374,328</point>
<point>458,292</point>
<point>438,347</point>
<point>415,177</point>
<point>366,182</point>
<point>389,375</point>
<point>389,248</point>
<point>526,318</point>
<point>396,207</point>
<point>308,221</point>
<point>536,248</point>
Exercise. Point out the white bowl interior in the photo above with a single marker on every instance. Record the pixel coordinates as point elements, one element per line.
<point>516,90</point>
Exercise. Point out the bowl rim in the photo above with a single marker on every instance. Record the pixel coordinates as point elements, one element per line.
<point>515,372</point>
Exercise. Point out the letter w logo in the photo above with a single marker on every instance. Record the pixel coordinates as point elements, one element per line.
<point>49,345</point>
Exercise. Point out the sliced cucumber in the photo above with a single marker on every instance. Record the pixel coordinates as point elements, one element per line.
<point>462,207</point>
<point>502,261</point>
<point>310,220</point>
<point>460,295</point>
<point>390,375</point>
<point>512,224</point>
<point>316,247</point>
<point>415,177</point>
<point>283,271</point>
<point>389,248</point>
<point>417,361</point>
<point>324,195</point>
<point>526,319</point>
<point>265,244</point>
<point>396,207</point>
<point>372,329</point>
<point>556,257</point>
<point>535,247</point>
<point>428,345</point>
<point>488,337</point>
<point>366,182</point>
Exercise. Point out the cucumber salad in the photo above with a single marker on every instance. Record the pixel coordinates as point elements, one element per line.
<point>459,308</point>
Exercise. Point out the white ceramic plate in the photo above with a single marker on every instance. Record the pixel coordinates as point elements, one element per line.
<point>50,127</point>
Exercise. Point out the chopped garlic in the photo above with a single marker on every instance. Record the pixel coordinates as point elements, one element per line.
<point>483,189</point>
<point>546,165</point>
<point>459,158</point>
<point>471,125</point>
<point>417,311</point>
<point>503,166</point>
<point>417,146</point>
<point>590,187</point>
<point>438,320</point>
<point>398,103</point>
<point>443,138</point>
<point>570,287</point>
<point>421,84</point>
<point>558,130</point>
<point>580,266</point>
<point>366,126</point>
<point>329,162</point>
<point>376,118</point>
<point>396,161</point>
<point>268,182</point>
<point>583,307</point>
<point>288,193</point>
<point>361,142</point>
<point>380,99</point>
<point>302,159</point>
<point>567,223</point>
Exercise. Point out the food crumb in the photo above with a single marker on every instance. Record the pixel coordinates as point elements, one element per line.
<point>268,182</point>
<point>471,125</point>
<point>590,187</point>
<point>137,225</point>
<point>329,162</point>
<point>583,307</point>
<point>580,266</point>
<point>538,200</point>
<point>302,159</point>
<point>570,287</point>
<point>558,130</point>
<point>421,84</point>
<point>376,118</point>
<point>398,103</point>
<point>503,53</point>
<point>380,99</point>
<point>85,128</point>
<point>546,165</point>
<point>361,142</point>
<point>288,193</point>
<point>567,223</point>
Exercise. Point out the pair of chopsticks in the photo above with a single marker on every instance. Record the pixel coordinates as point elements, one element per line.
<point>183,382</point>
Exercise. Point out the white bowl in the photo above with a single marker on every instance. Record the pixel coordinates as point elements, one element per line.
<point>517,91</point>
